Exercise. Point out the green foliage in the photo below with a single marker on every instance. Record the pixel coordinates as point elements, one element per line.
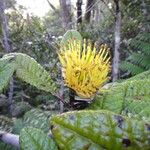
<point>3,101</point>
<point>139,60</point>
<point>17,126</point>
<point>53,24</point>
<point>7,68</point>
<point>5,124</point>
<point>4,146</point>
<point>70,34</point>
<point>20,108</point>
<point>27,69</point>
<point>87,129</point>
<point>99,130</point>
<point>37,118</point>
<point>143,75</point>
<point>129,97</point>
<point>35,139</point>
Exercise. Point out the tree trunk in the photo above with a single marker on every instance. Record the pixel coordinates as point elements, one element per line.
<point>97,14</point>
<point>6,46</point>
<point>89,6</point>
<point>65,6</point>
<point>4,27</point>
<point>79,12</point>
<point>115,66</point>
<point>146,16</point>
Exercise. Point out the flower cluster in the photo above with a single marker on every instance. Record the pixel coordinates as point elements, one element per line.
<point>84,68</point>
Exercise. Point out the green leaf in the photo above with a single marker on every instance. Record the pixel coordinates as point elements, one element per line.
<point>138,61</point>
<point>36,118</point>
<point>99,130</point>
<point>28,70</point>
<point>4,146</point>
<point>7,68</point>
<point>35,139</point>
<point>131,97</point>
<point>17,126</point>
<point>70,34</point>
<point>143,75</point>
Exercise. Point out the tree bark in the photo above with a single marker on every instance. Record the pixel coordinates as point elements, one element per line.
<point>6,46</point>
<point>4,26</point>
<point>97,14</point>
<point>65,6</point>
<point>116,57</point>
<point>10,96</point>
<point>146,16</point>
<point>89,6</point>
<point>79,12</point>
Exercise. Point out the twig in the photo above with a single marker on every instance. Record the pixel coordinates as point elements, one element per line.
<point>9,138</point>
<point>52,6</point>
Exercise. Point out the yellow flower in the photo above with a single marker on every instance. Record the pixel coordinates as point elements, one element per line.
<point>84,68</point>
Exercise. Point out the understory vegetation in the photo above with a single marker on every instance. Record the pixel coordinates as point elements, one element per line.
<point>77,78</point>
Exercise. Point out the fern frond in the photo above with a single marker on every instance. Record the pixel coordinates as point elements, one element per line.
<point>140,59</point>
<point>141,76</point>
<point>141,45</point>
<point>145,36</point>
<point>145,62</point>
<point>135,57</point>
<point>133,69</point>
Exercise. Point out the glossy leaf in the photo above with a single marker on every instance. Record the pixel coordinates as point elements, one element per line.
<point>99,130</point>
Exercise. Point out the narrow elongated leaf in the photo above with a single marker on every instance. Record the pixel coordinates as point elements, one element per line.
<point>99,130</point>
<point>35,139</point>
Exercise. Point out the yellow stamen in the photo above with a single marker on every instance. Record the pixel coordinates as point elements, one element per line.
<point>84,70</point>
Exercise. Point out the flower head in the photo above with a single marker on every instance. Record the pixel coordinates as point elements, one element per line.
<point>84,68</point>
